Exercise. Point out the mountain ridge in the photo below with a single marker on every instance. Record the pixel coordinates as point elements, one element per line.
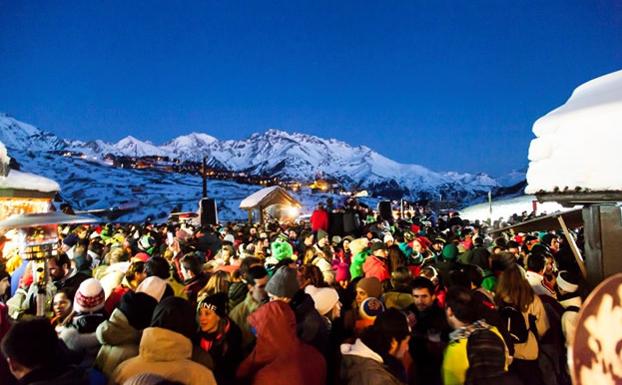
<point>287,155</point>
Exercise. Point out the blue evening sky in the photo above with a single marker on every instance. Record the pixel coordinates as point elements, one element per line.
<point>451,85</point>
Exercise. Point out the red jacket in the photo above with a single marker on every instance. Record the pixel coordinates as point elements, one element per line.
<point>319,220</point>
<point>376,267</point>
<point>280,357</point>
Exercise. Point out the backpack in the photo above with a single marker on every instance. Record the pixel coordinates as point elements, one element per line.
<point>515,323</point>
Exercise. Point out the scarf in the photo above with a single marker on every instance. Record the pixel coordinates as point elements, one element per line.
<point>466,331</point>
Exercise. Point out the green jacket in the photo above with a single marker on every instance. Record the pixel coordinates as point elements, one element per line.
<point>239,315</point>
<point>356,267</point>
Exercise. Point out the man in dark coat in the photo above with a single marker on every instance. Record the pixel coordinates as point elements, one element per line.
<point>32,349</point>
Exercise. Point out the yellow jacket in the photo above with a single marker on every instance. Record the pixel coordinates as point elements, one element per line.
<point>456,363</point>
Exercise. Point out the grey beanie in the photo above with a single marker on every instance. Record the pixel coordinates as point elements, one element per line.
<point>283,283</point>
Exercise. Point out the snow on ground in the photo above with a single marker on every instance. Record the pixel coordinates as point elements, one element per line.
<point>90,185</point>
<point>504,209</point>
<point>578,144</point>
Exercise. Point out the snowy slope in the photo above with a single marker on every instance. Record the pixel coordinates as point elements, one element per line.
<point>19,135</point>
<point>286,155</point>
<point>91,185</point>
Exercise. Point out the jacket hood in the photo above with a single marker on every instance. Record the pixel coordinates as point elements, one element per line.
<point>359,349</point>
<point>275,324</point>
<point>158,344</point>
<point>117,330</point>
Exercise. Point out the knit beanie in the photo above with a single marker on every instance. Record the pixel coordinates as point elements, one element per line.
<point>89,297</point>
<point>229,238</point>
<point>281,250</point>
<point>153,286</point>
<point>486,355</point>
<point>175,314</point>
<point>283,283</point>
<point>371,285</point>
<point>216,303</point>
<point>371,308</point>
<point>324,298</point>
<point>142,257</point>
<point>321,234</point>
<point>450,252</point>
<point>138,309</point>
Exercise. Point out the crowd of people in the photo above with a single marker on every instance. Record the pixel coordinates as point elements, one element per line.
<point>423,299</point>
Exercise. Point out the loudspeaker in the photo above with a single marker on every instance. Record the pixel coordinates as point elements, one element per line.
<point>384,208</point>
<point>208,212</point>
<point>350,223</point>
<point>335,226</point>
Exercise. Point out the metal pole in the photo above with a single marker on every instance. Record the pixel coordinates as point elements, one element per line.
<point>573,246</point>
<point>490,206</point>
<point>204,174</point>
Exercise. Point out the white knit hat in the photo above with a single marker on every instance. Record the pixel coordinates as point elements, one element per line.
<point>152,286</point>
<point>229,238</point>
<point>324,298</point>
<point>89,297</point>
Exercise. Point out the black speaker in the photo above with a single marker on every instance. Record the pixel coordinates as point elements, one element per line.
<point>335,226</point>
<point>208,212</point>
<point>384,208</point>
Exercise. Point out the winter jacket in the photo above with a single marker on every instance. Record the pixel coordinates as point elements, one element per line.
<point>310,325</point>
<point>167,354</point>
<point>537,284</point>
<point>237,293</point>
<point>225,348</point>
<point>280,357</point>
<point>376,267</point>
<point>570,318</point>
<point>455,359</point>
<point>79,336</point>
<point>325,267</point>
<point>362,366</point>
<point>398,300</point>
<point>529,349</point>
<point>56,376</point>
<point>119,342</point>
<point>239,315</point>
<point>319,220</point>
<point>356,268</point>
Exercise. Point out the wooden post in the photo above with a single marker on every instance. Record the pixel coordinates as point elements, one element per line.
<point>573,246</point>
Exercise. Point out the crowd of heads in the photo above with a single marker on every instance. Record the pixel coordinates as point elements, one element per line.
<point>309,303</point>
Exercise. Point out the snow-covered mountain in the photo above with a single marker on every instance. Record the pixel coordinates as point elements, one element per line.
<point>292,156</point>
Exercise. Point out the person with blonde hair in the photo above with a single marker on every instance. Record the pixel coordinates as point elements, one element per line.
<point>515,296</point>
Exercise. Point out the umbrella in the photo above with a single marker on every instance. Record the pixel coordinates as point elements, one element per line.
<point>38,219</point>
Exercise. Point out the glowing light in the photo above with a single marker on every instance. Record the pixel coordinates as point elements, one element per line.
<point>292,211</point>
<point>11,206</point>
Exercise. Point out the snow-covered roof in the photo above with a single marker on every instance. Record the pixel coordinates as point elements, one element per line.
<point>504,209</point>
<point>267,196</point>
<point>17,180</point>
<point>578,144</point>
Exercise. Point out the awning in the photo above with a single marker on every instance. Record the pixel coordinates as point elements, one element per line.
<point>572,218</point>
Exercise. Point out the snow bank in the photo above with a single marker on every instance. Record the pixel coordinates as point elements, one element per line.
<point>578,144</point>
<point>504,209</point>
